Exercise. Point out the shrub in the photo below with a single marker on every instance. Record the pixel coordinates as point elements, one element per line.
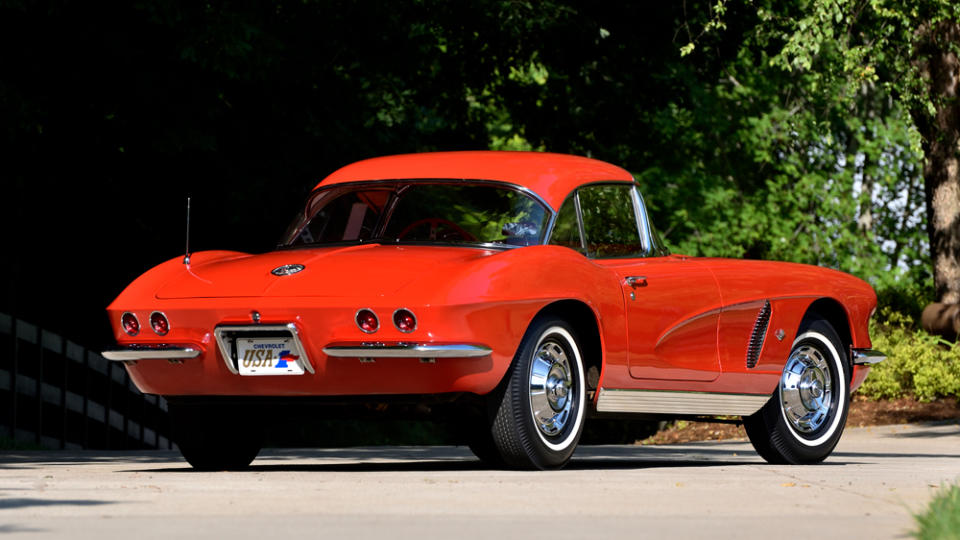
<point>917,364</point>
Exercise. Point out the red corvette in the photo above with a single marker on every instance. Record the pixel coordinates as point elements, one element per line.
<point>525,294</point>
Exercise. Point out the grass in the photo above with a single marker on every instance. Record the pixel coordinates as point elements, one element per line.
<point>941,520</point>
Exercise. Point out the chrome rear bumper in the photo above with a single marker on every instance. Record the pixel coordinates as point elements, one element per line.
<point>866,357</point>
<point>148,352</point>
<point>405,350</point>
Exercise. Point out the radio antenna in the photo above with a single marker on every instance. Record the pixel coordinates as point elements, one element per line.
<point>186,257</point>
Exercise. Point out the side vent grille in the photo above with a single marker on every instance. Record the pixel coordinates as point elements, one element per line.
<point>758,335</point>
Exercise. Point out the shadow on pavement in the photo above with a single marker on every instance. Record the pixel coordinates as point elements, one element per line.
<point>932,433</point>
<point>426,458</point>
<point>10,529</point>
<point>29,460</point>
<point>6,504</point>
<point>892,455</point>
<point>449,466</point>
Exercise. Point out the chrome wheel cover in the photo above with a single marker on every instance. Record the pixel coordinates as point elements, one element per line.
<point>552,390</point>
<point>806,390</point>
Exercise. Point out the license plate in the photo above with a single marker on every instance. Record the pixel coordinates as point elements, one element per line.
<point>268,356</point>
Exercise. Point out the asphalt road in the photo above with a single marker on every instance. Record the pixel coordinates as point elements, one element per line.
<point>868,489</point>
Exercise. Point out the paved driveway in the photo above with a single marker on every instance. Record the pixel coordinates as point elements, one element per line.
<point>867,489</point>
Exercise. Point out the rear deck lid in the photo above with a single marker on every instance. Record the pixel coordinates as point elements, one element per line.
<point>327,272</point>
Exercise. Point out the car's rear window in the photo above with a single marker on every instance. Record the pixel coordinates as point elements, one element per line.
<point>433,212</point>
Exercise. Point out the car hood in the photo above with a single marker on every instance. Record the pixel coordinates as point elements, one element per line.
<point>327,272</point>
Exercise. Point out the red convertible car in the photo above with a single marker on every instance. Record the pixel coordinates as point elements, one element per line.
<point>519,294</point>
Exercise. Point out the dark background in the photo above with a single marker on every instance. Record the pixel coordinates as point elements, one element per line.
<point>114,112</point>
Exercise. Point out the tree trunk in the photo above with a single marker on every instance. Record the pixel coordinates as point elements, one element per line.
<point>940,69</point>
<point>942,320</point>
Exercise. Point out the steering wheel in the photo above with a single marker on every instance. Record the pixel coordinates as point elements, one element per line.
<point>435,226</point>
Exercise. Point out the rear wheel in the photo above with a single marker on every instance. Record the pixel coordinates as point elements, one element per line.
<point>539,414</point>
<point>215,437</point>
<point>804,418</point>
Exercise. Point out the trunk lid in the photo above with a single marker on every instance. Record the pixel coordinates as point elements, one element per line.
<point>328,272</point>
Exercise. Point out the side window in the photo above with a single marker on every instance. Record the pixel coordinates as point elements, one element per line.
<point>610,222</point>
<point>566,230</point>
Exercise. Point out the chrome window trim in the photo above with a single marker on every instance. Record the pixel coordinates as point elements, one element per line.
<point>574,195</point>
<point>583,235</point>
<point>406,350</point>
<point>348,243</point>
<point>219,332</point>
<point>643,223</point>
<point>657,249</point>
<point>551,224</point>
<point>150,352</point>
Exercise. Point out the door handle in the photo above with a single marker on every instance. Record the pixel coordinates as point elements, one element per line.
<point>637,281</point>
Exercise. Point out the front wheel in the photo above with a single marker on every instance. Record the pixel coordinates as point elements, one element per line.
<point>539,417</point>
<point>804,419</point>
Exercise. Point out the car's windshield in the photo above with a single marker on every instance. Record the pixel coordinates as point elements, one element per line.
<point>434,212</point>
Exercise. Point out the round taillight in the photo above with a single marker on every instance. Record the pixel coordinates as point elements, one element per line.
<point>159,323</point>
<point>404,320</point>
<point>130,324</point>
<point>367,321</point>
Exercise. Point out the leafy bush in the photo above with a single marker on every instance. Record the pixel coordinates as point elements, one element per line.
<point>917,364</point>
<point>903,297</point>
<point>942,517</point>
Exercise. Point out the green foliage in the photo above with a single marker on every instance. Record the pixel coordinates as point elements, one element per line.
<point>847,44</point>
<point>941,520</point>
<point>917,363</point>
<point>767,129</point>
<point>829,94</point>
<point>905,297</point>
<point>742,148</point>
<point>800,173</point>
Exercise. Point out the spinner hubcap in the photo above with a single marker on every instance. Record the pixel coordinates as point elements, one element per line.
<point>552,388</point>
<point>806,389</point>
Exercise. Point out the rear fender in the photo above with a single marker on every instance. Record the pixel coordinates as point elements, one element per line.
<point>553,277</point>
<point>141,293</point>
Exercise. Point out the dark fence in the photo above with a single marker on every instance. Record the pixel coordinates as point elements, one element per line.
<point>57,394</point>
